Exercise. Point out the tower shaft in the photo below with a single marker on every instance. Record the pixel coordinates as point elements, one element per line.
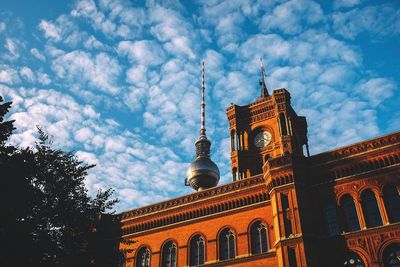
<point>203,104</point>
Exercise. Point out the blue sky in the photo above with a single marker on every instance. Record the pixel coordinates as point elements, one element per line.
<point>119,81</point>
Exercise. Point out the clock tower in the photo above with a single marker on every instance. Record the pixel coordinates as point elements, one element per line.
<point>268,138</point>
<point>266,128</point>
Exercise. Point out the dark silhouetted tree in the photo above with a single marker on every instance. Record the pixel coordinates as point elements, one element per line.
<point>48,218</point>
<point>6,127</point>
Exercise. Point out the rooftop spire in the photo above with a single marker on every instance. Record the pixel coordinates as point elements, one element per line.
<point>264,90</point>
<point>203,104</point>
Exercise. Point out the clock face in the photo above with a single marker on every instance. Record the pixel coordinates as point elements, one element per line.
<point>262,139</point>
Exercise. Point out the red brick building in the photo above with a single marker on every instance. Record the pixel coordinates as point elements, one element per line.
<point>284,207</point>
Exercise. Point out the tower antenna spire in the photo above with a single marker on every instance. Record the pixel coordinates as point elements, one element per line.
<point>264,90</point>
<point>203,104</point>
<point>202,173</point>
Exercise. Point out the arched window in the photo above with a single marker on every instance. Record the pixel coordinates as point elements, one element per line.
<point>370,209</point>
<point>286,220</point>
<point>259,238</point>
<point>235,174</point>
<point>352,259</point>
<point>226,244</point>
<point>282,123</point>
<point>391,198</point>
<point>233,140</point>
<point>168,257</point>
<point>143,257</point>
<point>245,140</point>
<point>197,251</point>
<point>349,213</point>
<point>331,219</point>
<point>391,256</point>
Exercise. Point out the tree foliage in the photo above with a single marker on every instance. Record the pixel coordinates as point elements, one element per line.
<point>48,217</point>
<point>6,127</point>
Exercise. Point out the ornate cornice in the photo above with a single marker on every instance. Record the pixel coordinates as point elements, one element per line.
<point>357,148</point>
<point>373,231</point>
<point>192,198</point>
<point>129,231</point>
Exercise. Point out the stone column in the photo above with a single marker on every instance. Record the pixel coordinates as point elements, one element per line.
<point>360,214</point>
<point>382,208</point>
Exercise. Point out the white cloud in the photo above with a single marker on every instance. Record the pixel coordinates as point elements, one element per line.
<point>340,123</point>
<point>53,51</point>
<point>180,45</point>
<point>170,27</point>
<point>134,97</point>
<point>379,21</point>
<point>336,75</point>
<point>84,134</point>
<point>292,16</point>
<point>376,90</point>
<point>271,47</point>
<point>345,3</point>
<point>236,88</point>
<point>2,26</point>
<point>309,46</point>
<point>50,30</point>
<point>115,144</point>
<point>43,78</point>
<point>65,29</point>
<point>87,157</point>
<point>227,18</point>
<point>113,23</point>
<point>325,48</point>
<point>214,64</point>
<point>170,107</point>
<point>37,54</point>
<point>144,52</point>
<point>100,71</point>
<point>394,122</point>
<point>8,75</point>
<point>229,31</point>
<point>92,43</point>
<point>137,75</point>
<point>134,17</point>
<point>27,74</point>
<point>85,8</point>
<point>11,46</point>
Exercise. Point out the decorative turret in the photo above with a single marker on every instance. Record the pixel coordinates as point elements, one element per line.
<point>203,173</point>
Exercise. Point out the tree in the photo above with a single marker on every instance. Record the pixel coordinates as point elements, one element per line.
<point>49,217</point>
<point>14,193</point>
<point>6,127</point>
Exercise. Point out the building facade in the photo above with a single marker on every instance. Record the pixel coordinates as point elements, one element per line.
<point>283,207</point>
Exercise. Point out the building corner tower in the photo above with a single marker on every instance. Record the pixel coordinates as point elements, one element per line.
<point>269,139</point>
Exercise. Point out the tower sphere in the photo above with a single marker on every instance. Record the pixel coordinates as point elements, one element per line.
<point>202,173</point>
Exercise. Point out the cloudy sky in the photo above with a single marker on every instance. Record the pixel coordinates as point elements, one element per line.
<point>119,81</point>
